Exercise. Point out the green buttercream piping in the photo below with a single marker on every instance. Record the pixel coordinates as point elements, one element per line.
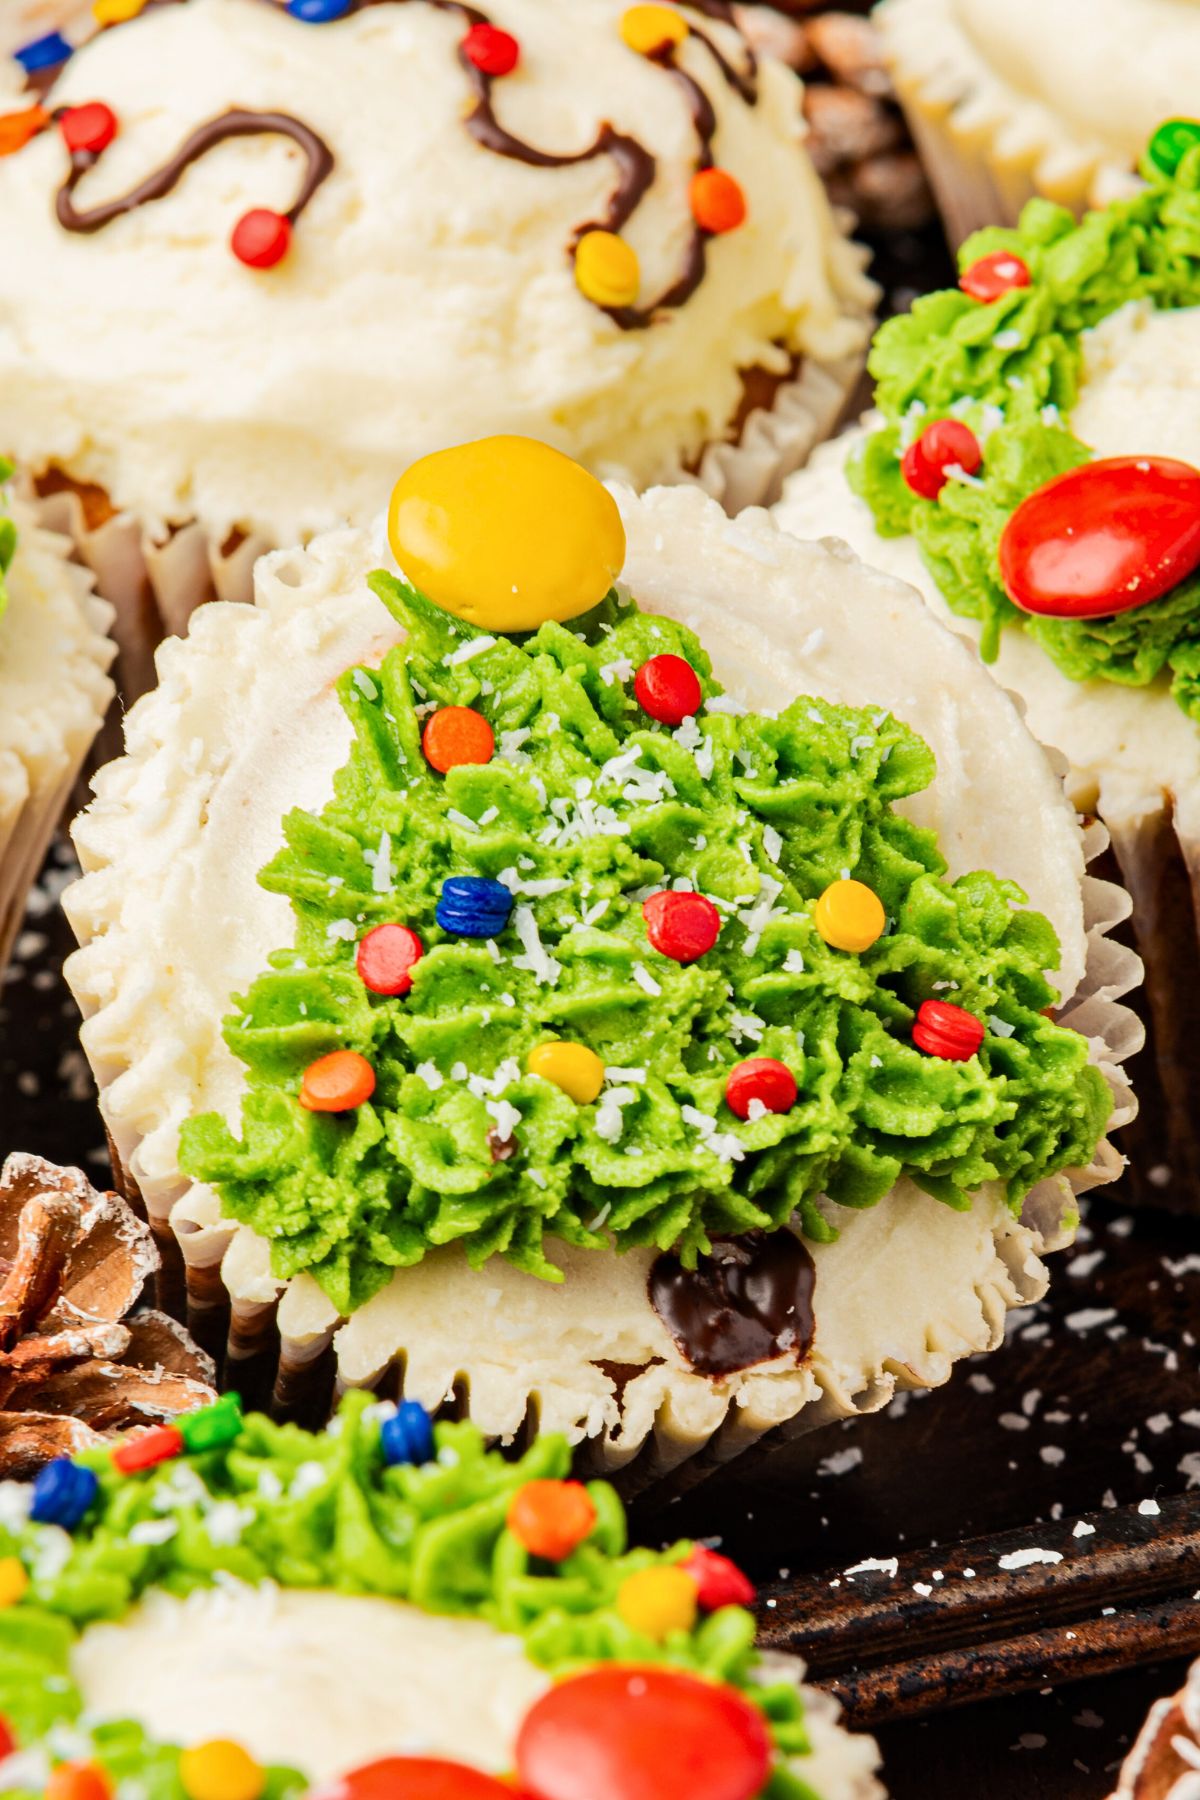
<point>1011,371</point>
<point>760,813</point>
<point>324,1512</point>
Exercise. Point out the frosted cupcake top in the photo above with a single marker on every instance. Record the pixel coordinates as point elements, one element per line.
<point>268,254</point>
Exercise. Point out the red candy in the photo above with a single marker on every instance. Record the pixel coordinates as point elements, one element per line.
<point>386,957</point>
<point>945,444</point>
<point>681,926</point>
<point>618,1733</point>
<point>1103,538</point>
<point>490,50</point>
<point>455,735</point>
<point>760,1078</point>
<point>414,1778</point>
<point>668,688</point>
<point>551,1518</point>
<point>77,1781</point>
<point>994,276</point>
<point>719,1582</point>
<point>261,238</point>
<point>87,130</point>
<point>717,201</point>
<point>8,1742</point>
<point>945,1030</point>
<point>159,1444</point>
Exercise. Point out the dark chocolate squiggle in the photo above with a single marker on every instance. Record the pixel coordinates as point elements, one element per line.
<point>748,1301</point>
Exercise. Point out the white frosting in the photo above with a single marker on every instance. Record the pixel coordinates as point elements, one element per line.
<point>429,295</point>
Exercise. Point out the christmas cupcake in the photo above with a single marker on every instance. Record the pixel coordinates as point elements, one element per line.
<point>1036,473</point>
<point>516,1010</point>
<point>243,301</point>
<point>187,1615</point>
<point>1164,1764</point>
<point>54,692</point>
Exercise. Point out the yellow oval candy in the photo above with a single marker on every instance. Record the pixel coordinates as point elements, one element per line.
<point>647,29</point>
<point>506,533</point>
<point>658,1601</point>
<point>116,12</point>
<point>14,1582</point>
<point>574,1068</point>
<point>850,916</point>
<point>220,1770</point>
<point>606,269</point>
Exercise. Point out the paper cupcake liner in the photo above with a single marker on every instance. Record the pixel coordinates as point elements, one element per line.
<point>1164,1763</point>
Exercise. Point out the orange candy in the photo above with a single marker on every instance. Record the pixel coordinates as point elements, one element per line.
<point>78,1781</point>
<point>717,201</point>
<point>551,1518</point>
<point>16,129</point>
<point>455,735</point>
<point>337,1082</point>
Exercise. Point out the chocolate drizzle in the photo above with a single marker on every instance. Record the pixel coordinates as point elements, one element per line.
<point>747,1302</point>
<point>233,124</point>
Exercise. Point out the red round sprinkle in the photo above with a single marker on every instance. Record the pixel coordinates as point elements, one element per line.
<point>78,1781</point>
<point>717,201</point>
<point>386,957</point>
<point>159,1444</point>
<point>642,1734</point>
<point>994,276</point>
<point>551,1518</point>
<point>261,238</point>
<point>414,1778</point>
<point>760,1078</point>
<point>455,735</point>
<point>668,688</point>
<point>681,926</point>
<point>945,444</point>
<point>8,1742</point>
<point>490,50</point>
<point>87,130</point>
<point>719,1582</point>
<point>945,1030</point>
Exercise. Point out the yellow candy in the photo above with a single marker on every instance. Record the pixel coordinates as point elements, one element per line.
<point>574,1068</point>
<point>650,28</point>
<point>13,1580</point>
<point>606,269</point>
<point>850,916</point>
<point>506,533</point>
<point>220,1770</point>
<point>116,12</point>
<point>658,1601</point>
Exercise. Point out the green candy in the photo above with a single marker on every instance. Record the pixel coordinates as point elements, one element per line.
<point>212,1427</point>
<point>1171,142</point>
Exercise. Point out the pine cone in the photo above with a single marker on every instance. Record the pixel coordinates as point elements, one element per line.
<point>77,1361</point>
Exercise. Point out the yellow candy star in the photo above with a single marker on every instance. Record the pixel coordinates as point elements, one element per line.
<point>850,916</point>
<point>650,29</point>
<point>606,269</point>
<point>574,1068</point>
<point>658,1601</point>
<point>220,1770</point>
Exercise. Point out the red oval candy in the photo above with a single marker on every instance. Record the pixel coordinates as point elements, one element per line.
<point>945,1030</point>
<point>668,688</point>
<point>1103,538</point>
<point>681,926</point>
<point>994,276</point>
<point>760,1078</point>
<point>386,957</point>
<point>414,1778</point>
<point>719,1582</point>
<point>261,238</point>
<point>642,1734</point>
<point>89,129</point>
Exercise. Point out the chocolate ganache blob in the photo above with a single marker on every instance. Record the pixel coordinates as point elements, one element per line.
<point>748,1301</point>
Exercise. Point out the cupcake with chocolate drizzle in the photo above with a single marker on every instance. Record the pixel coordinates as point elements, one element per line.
<point>269,254</point>
<point>490,992</point>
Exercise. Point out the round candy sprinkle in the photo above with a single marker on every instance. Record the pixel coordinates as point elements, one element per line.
<point>212,1427</point>
<point>8,1742</point>
<point>456,735</point>
<point>994,276</point>
<point>63,1492</point>
<point>220,1770</point>
<point>43,53</point>
<point>551,1518</point>
<point>261,238</point>
<point>657,1602</point>
<point>14,1582</point>
<point>681,926</point>
<point>490,50</point>
<point>386,957</point>
<point>668,689</point>
<point>319,12</point>
<point>760,1078</point>
<point>415,1778</point>
<point>1171,143</point>
<point>643,1734</point>
<point>506,533</point>
<point>578,1071</point>
<point>717,201</point>
<point>19,128</point>
<point>407,1437</point>
<point>650,30</point>
<point>946,444</point>
<point>77,1781</point>
<point>87,130</point>
<point>719,1582</point>
<point>1103,538</point>
<point>158,1445</point>
<point>116,12</point>
<point>337,1083</point>
<point>945,1030</point>
<point>473,906</point>
<point>607,270</point>
<point>850,916</point>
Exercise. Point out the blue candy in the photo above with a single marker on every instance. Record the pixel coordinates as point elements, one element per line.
<point>62,1493</point>
<point>407,1437</point>
<point>43,53</point>
<point>471,906</point>
<point>319,12</point>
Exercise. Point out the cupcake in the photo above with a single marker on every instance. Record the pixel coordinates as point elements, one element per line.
<point>1164,1763</point>
<point>188,1613</point>
<point>54,692</point>
<point>242,303</point>
<point>1011,102</point>
<point>528,1016</point>
<point>1018,419</point>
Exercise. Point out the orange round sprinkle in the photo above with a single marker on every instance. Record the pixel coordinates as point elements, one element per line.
<point>551,1518</point>
<point>337,1082</point>
<point>78,1781</point>
<point>455,735</point>
<point>718,203</point>
<point>16,129</point>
